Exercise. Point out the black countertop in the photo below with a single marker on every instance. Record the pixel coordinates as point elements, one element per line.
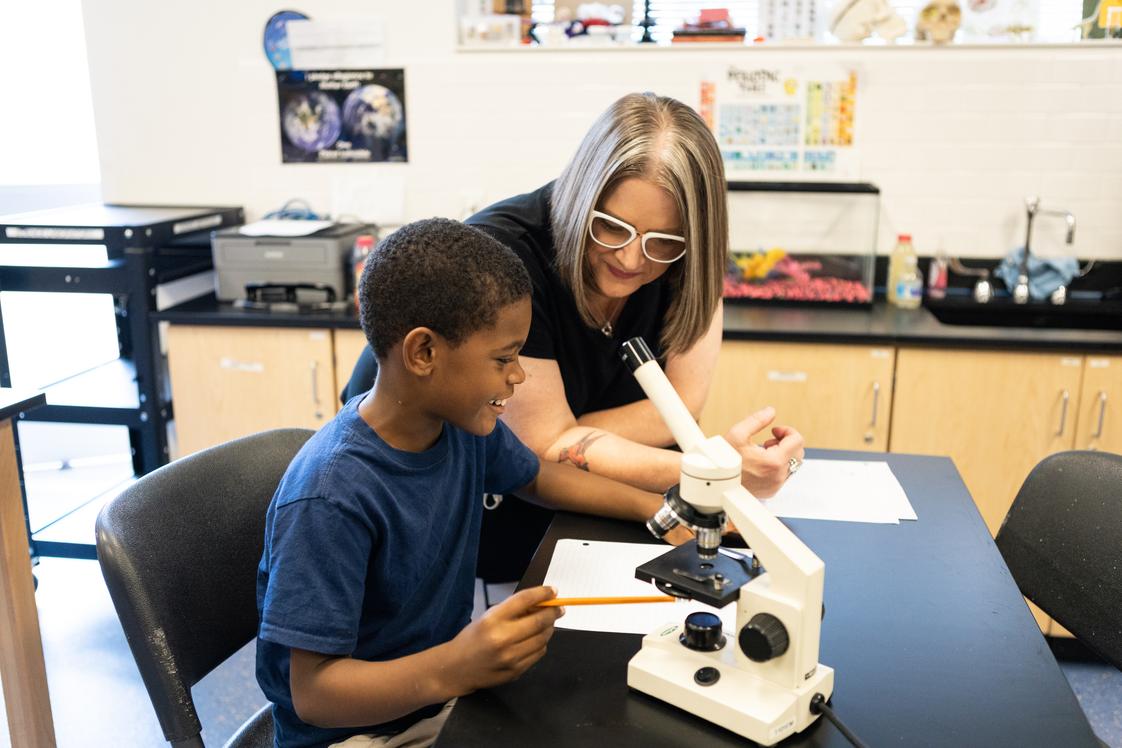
<point>885,325</point>
<point>879,325</point>
<point>208,310</point>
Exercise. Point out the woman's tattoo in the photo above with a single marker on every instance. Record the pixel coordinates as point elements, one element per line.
<point>576,453</point>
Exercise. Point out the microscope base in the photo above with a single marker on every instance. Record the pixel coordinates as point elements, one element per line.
<point>739,701</point>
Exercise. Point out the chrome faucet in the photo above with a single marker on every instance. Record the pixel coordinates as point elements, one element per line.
<point>1032,207</point>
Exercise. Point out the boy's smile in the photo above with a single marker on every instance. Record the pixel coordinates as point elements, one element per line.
<point>474,380</point>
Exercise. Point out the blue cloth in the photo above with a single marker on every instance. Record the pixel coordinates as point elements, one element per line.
<point>370,552</point>
<point>1045,274</point>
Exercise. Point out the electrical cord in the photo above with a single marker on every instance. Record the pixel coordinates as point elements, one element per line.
<point>818,705</point>
<point>296,209</point>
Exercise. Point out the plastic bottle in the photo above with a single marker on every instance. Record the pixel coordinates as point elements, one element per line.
<point>905,287</point>
<point>937,277</point>
<point>364,245</point>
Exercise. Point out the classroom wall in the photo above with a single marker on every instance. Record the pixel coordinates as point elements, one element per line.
<point>186,111</point>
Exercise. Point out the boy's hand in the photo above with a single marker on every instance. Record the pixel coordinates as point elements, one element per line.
<point>504,643</point>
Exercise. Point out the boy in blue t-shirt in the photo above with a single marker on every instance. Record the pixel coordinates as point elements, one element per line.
<point>366,585</point>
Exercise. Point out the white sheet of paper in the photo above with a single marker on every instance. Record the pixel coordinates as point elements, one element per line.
<point>843,490</point>
<point>337,43</point>
<point>594,568</point>
<point>283,227</point>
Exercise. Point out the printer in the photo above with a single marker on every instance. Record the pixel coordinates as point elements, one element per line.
<point>315,268</point>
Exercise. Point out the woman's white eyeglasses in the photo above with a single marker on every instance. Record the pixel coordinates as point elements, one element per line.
<point>611,233</point>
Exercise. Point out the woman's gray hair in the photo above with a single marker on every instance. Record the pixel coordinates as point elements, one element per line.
<point>665,142</point>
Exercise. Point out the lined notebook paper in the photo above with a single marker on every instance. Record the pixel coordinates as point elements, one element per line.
<point>594,568</point>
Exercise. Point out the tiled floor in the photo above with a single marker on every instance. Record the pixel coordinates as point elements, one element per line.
<point>100,702</point>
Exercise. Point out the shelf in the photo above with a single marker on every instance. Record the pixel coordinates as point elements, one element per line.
<point>831,48</point>
<point>106,277</point>
<point>146,246</point>
<point>104,394</point>
<point>857,188</point>
<point>71,534</point>
<point>115,226</point>
<point>207,310</point>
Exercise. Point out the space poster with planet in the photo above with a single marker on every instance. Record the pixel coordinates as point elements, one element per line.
<point>342,116</point>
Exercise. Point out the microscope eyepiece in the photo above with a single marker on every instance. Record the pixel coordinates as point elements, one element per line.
<point>635,353</point>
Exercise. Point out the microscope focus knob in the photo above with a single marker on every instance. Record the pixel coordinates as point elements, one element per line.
<point>763,638</point>
<point>703,632</point>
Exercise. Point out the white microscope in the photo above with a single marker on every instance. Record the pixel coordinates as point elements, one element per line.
<point>761,680</point>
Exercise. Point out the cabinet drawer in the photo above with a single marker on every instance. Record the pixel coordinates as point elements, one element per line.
<point>233,381</point>
<point>837,396</point>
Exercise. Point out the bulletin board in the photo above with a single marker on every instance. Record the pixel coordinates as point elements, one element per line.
<point>784,123</point>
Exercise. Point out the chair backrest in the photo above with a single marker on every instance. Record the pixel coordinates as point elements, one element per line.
<point>179,551</point>
<point>1062,540</point>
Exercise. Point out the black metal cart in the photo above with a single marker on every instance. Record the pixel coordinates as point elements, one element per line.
<point>145,246</point>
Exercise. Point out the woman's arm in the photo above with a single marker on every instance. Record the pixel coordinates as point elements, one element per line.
<point>560,487</point>
<point>690,372</point>
<point>540,416</point>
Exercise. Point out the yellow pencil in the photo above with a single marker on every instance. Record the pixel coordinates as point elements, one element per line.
<point>605,600</point>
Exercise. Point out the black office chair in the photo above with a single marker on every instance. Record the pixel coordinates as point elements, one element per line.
<point>179,551</point>
<point>1062,540</point>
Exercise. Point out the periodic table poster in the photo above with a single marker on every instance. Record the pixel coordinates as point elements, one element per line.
<point>783,123</point>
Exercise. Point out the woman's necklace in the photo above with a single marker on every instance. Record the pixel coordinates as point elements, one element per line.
<point>606,329</point>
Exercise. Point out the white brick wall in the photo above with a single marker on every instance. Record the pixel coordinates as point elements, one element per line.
<point>956,138</point>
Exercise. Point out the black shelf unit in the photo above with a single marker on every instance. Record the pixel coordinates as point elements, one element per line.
<point>146,246</point>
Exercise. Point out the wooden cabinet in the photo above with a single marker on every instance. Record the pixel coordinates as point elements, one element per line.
<point>996,414</point>
<point>1099,425</point>
<point>348,345</point>
<point>232,381</point>
<point>838,396</point>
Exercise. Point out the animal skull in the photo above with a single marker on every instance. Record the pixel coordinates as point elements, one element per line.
<point>854,20</point>
<point>938,21</point>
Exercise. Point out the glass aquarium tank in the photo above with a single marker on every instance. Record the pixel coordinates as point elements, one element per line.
<point>802,242</point>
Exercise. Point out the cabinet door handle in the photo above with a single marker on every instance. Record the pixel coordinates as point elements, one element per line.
<point>876,400</point>
<point>1102,414</point>
<point>1063,413</point>
<point>315,388</point>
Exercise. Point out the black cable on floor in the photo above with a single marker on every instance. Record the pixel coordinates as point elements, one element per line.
<point>818,705</point>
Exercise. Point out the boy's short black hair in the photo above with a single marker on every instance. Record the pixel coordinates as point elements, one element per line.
<point>440,274</point>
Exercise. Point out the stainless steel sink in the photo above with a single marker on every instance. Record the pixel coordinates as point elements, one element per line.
<point>1075,315</point>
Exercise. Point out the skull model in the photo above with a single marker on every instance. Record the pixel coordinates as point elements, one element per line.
<point>938,21</point>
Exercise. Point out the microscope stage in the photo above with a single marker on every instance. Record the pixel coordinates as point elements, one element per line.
<point>716,581</point>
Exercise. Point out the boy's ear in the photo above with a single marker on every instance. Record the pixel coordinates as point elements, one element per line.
<point>418,351</point>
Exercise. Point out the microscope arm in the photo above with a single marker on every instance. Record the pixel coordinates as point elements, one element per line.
<point>795,572</point>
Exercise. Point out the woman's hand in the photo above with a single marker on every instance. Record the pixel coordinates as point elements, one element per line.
<point>765,466</point>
